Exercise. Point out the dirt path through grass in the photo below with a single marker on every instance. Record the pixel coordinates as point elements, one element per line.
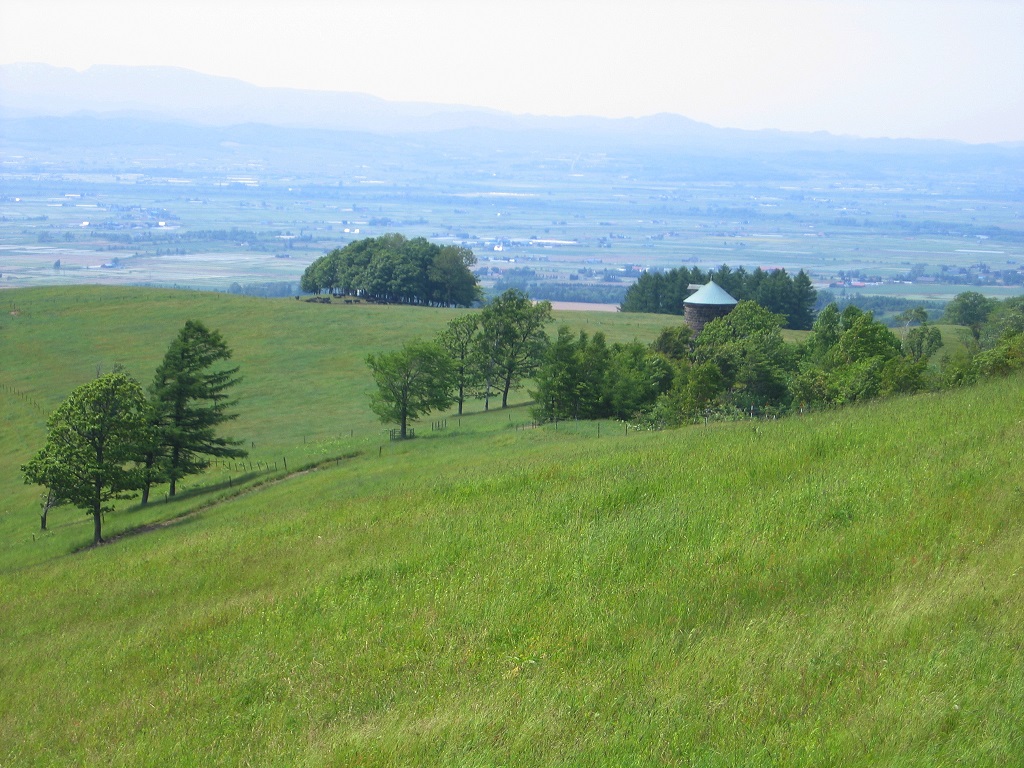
<point>245,491</point>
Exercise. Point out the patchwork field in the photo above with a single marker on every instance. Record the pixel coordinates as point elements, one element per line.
<point>177,216</point>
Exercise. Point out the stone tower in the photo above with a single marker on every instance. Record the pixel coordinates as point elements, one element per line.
<point>709,302</point>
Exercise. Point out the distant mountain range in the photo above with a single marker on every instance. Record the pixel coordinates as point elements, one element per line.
<point>184,97</point>
<point>123,119</point>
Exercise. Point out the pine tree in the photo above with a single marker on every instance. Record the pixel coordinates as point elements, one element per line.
<point>801,316</point>
<point>190,401</point>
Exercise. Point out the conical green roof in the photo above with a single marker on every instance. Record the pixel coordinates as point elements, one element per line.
<point>712,294</point>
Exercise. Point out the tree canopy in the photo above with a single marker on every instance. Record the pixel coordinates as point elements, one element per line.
<point>91,456</point>
<point>392,269</point>
<point>411,382</point>
<point>189,400</point>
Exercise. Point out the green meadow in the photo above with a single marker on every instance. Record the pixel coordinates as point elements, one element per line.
<point>303,399</point>
<point>842,588</point>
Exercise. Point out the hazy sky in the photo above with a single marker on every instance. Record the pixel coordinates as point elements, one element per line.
<point>909,68</point>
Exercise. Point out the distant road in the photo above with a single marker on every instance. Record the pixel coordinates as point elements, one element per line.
<point>582,306</point>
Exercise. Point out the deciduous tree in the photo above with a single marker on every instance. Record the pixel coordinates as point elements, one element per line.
<point>459,339</point>
<point>411,382</point>
<point>91,455</point>
<point>969,308</point>
<point>513,338</point>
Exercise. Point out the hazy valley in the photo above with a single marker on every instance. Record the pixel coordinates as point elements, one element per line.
<point>134,193</point>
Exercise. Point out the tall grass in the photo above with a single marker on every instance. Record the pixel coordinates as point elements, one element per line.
<point>837,589</point>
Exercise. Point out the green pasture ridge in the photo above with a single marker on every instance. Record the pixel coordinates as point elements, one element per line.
<point>840,588</point>
<point>836,589</point>
<point>303,398</point>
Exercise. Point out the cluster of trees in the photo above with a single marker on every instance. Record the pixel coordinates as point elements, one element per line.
<point>480,355</point>
<point>995,344</point>
<point>396,270</point>
<point>664,293</point>
<point>740,363</point>
<point>110,439</point>
<point>583,377</point>
<point>737,365</point>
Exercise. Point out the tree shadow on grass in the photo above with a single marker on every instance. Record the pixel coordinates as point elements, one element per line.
<point>198,491</point>
<point>181,518</point>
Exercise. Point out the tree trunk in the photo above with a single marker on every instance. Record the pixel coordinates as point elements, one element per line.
<point>97,516</point>
<point>46,508</point>
<point>504,393</point>
<point>150,461</point>
<point>174,468</point>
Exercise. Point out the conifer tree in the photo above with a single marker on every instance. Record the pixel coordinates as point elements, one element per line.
<point>189,399</point>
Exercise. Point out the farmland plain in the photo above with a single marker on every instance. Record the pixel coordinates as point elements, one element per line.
<point>247,210</point>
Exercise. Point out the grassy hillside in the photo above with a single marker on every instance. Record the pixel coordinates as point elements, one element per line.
<point>837,589</point>
<point>304,395</point>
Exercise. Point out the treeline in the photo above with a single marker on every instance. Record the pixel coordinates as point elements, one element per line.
<point>491,353</point>
<point>885,308</point>
<point>740,364</point>
<point>395,270</point>
<point>664,292</point>
<point>265,290</point>
<point>482,355</point>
